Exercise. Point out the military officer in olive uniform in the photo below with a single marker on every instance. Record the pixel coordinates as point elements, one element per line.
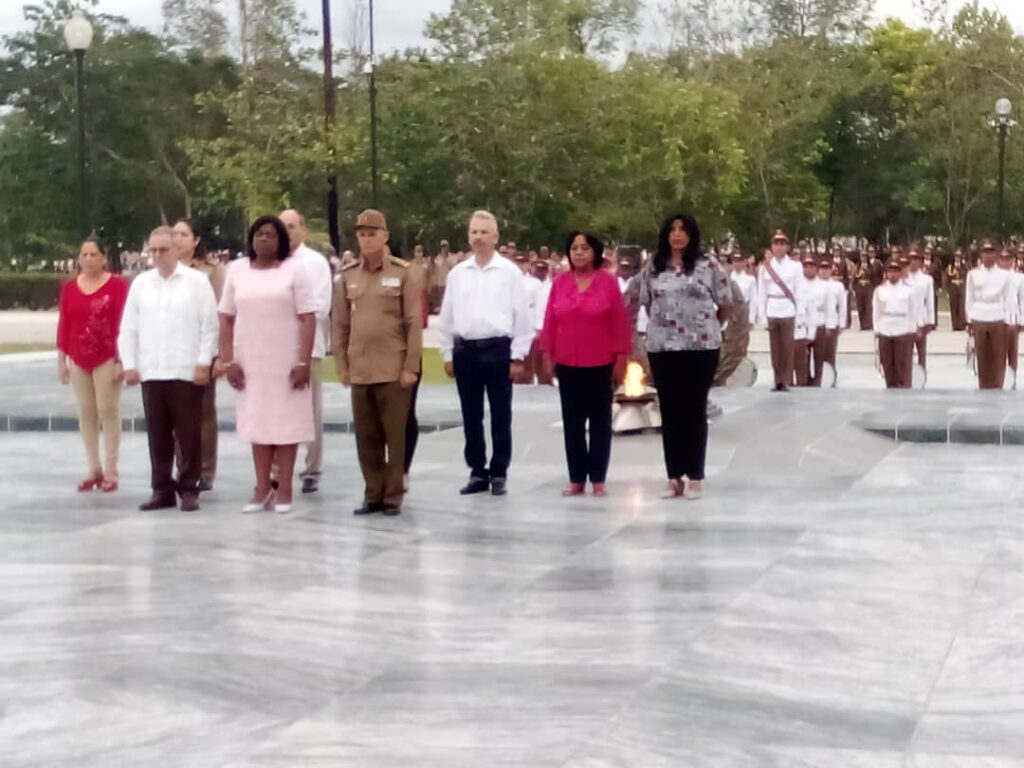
<point>377,335</point>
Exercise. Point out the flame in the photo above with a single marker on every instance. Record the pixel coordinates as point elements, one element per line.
<point>633,386</point>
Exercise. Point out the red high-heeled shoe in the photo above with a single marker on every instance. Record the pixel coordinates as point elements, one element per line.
<point>90,483</point>
<point>109,484</point>
<point>574,489</point>
<point>599,490</point>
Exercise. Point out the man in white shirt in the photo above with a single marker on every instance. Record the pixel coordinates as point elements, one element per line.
<point>836,309</point>
<point>168,338</point>
<point>895,317</point>
<point>924,287</point>
<point>486,331</point>
<point>538,290</point>
<point>1015,310</point>
<point>809,349</point>
<point>780,300</point>
<point>990,297</point>
<point>318,272</point>
<point>747,283</point>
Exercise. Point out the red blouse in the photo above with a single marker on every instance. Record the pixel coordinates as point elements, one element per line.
<point>589,328</point>
<point>89,322</point>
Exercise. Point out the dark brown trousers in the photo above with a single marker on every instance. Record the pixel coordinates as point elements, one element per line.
<point>173,410</point>
<point>831,346</point>
<point>896,354</point>
<point>863,294</point>
<point>780,338</point>
<point>1012,345</point>
<point>957,307</point>
<point>208,436</point>
<point>990,349</point>
<point>380,412</point>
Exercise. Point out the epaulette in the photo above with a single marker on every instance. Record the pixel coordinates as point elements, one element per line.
<point>399,262</point>
<point>350,265</point>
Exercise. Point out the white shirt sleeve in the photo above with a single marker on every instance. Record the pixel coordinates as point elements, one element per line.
<point>128,337</point>
<point>522,321</point>
<point>446,328</point>
<point>209,327</point>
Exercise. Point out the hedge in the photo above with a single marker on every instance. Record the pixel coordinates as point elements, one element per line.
<point>27,290</point>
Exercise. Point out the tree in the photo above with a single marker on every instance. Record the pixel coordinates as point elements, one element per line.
<point>197,25</point>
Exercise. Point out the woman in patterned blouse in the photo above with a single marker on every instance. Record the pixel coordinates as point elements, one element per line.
<point>687,297</point>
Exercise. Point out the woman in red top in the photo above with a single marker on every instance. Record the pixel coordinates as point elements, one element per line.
<point>90,318</point>
<point>586,337</point>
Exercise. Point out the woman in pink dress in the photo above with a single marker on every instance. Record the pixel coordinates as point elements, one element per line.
<point>267,324</point>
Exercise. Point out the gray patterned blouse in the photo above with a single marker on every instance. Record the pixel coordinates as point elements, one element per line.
<point>683,309</point>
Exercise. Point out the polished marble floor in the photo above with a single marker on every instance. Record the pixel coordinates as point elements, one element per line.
<point>837,599</point>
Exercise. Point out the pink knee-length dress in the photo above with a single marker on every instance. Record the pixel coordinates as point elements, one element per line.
<point>266,304</point>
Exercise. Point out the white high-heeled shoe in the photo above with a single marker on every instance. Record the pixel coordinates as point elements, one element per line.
<point>282,509</point>
<point>260,506</point>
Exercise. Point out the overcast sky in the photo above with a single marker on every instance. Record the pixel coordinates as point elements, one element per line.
<point>400,22</point>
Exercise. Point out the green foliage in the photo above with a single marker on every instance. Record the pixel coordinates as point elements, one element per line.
<point>30,291</point>
<point>758,114</point>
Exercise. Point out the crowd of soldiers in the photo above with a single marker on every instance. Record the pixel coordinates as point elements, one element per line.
<point>827,286</point>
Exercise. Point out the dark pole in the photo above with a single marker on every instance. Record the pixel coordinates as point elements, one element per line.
<point>1002,179</point>
<point>373,114</point>
<point>330,113</point>
<point>83,214</point>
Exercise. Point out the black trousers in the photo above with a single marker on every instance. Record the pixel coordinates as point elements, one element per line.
<point>482,367</point>
<point>586,395</point>
<point>683,381</point>
<point>412,425</point>
<point>174,410</point>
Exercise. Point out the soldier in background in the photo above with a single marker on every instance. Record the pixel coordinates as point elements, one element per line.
<point>955,280</point>
<point>736,333</point>
<point>863,287</point>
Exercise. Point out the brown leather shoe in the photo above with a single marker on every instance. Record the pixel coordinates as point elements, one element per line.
<point>190,502</point>
<point>158,501</point>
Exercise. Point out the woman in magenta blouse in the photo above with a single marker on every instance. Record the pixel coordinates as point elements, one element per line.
<point>586,338</point>
<point>90,318</point>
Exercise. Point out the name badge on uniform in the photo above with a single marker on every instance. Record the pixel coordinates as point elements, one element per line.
<point>391,282</point>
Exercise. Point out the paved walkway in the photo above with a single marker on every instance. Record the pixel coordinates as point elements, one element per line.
<point>837,599</point>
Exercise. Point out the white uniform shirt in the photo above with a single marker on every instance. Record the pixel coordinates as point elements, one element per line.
<point>835,309</point>
<point>748,287</point>
<point>895,309</point>
<point>321,284</point>
<point>924,288</point>
<point>771,298</point>
<point>539,291</point>
<point>990,295</point>
<point>170,325</point>
<point>818,293</point>
<point>642,318</point>
<point>486,303</point>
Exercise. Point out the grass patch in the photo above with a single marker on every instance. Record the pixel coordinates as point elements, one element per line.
<point>433,368</point>
<point>10,349</point>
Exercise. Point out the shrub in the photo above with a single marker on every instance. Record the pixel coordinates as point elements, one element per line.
<point>20,290</point>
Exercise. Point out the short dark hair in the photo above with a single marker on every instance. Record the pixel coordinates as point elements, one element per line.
<point>593,241</point>
<point>201,252</point>
<point>284,247</point>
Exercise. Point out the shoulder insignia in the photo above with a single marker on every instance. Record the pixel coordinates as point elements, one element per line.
<point>398,262</point>
<point>350,265</point>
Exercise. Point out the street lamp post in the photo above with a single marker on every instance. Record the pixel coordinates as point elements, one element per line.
<point>373,114</point>
<point>330,114</point>
<point>1002,122</point>
<point>78,36</point>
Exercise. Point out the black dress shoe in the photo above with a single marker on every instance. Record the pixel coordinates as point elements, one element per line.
<point>476,485</point>
<point>159,501</point>
<point>368,508</point>
<point>499,487</point>
<point>190,502</point>
<point>205,485</point>
<point>310,484</point>
<point>391,510</point>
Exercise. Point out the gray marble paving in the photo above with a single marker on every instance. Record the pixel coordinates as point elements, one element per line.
<point>838,599</point>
